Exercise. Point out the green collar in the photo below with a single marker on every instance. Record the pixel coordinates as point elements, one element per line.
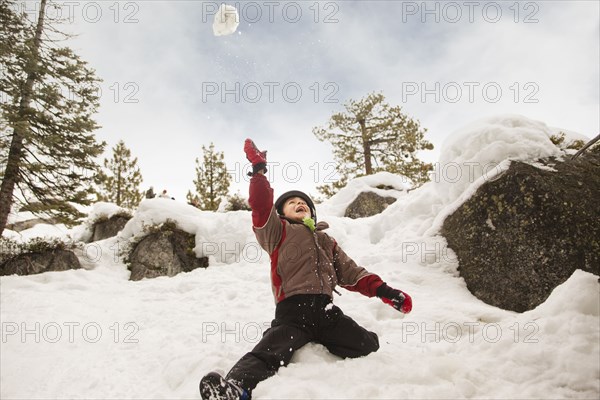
<point>310,223</point>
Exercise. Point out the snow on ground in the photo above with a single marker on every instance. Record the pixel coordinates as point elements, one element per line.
<point>46,231</point>
<point>94,334</point>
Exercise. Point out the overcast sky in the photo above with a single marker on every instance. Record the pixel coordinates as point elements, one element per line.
<point>171,86</point>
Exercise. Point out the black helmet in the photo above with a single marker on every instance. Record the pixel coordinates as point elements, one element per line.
<point>296,193</point>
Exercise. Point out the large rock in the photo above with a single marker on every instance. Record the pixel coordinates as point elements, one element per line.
<point>524,233</point>
<point>35,263</point>
<point>164,253</point>
<point>367,204</point>
<point>107,228</point>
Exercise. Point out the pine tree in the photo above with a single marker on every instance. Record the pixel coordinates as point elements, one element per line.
<point>372,136</point>
<point>212,180</point>
<point>237,202</point>
<point>48,100</point>
<point>121,185</point>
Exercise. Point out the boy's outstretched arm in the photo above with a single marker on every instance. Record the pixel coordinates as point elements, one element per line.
<point>267,227</point>
<point>261,193</point>
<point>260,200</point>
<point>369,284</point>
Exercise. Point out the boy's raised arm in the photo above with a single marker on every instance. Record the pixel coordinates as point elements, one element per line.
<point>267,226</point>
<point>260,200</point>
<point>261,193</point>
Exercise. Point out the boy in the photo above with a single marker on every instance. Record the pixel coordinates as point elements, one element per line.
<point>306,266</point>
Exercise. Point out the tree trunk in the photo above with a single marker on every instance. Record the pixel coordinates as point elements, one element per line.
<point>366,146</point>
<point>15,153</point>
<point>211,184</point>
<point>118,199</point>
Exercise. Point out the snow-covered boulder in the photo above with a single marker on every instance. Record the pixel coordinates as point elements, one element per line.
<point>24,220</point>
<point>38,262</point>
<point>222,237</point>
<point>104,220</point>
<point>165,252</point>
<point>28,224</point>
<point>367,204</point>
<point>383,184</point>
<point>109,227</point>
<point>527,230</point>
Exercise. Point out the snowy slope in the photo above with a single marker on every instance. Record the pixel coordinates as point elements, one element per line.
<point>94,334</point>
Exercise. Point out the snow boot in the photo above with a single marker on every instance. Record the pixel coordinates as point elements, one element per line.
<point>214,387</point>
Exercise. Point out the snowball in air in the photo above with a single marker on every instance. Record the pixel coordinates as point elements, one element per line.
<point>226,20</point>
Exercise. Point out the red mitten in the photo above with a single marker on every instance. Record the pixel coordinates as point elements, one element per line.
<point>254,155</point>
<point>395,298</point>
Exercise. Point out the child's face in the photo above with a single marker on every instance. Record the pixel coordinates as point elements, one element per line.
<point>296,209</point>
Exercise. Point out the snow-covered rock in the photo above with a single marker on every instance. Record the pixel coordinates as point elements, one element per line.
<point>367,204</point>
<point>39,262</point>
<point>526,231</point>
<point>98,212</point>
<point>165,252</point>
<point>222,237</point>
<point>383,184</point>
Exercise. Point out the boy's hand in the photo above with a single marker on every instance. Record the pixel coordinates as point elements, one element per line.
<point>395,298</point>
<point>256,157</point>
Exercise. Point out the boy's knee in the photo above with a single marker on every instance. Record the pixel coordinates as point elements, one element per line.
<point>373,344</point>
<point>369,343</point>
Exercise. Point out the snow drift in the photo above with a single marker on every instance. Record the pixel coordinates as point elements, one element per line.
<point>94,334</point>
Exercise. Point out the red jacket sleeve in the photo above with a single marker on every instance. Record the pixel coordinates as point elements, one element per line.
<point>366,286</point>
<point>260,200</point>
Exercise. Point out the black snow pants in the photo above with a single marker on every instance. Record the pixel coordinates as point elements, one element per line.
<point>301,319</point>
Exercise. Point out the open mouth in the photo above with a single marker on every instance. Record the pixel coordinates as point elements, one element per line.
<point>301,209</point>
